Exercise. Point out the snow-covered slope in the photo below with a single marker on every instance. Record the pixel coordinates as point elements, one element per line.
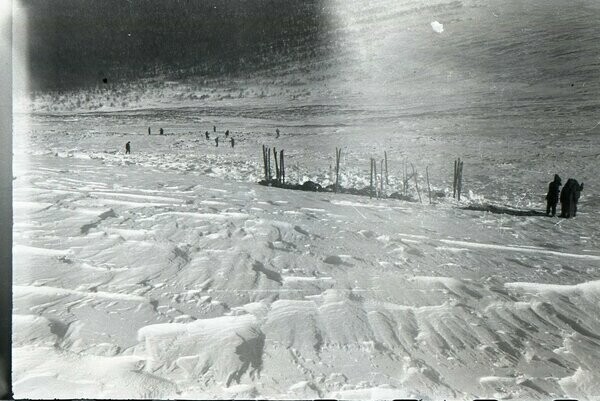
<point>170,273</point>
<point>499,65</point>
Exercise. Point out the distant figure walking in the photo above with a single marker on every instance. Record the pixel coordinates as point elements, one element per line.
<point>127,148</point>
<point>161,131</point>
<point>277,133</point>
<point>149,131</point>
<point>552,196</point>
<point>227,134</point>
<point>232,142</point>
<point>214,128</point>
<point>217,141</point>
<point>207,135</point>
<point>569,197</point>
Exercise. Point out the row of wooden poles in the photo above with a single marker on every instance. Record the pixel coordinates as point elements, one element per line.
<point>279,167</point>
<point>383,177</point>
<point>457,182</point>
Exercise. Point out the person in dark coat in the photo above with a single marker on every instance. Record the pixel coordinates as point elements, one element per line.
<point>227,134</point>
<point>214,128</point>
<point>232,142</point>
<point>127,148</point>
<point>552,196</point>
<point>161,131</point>
<point>277,133</point>
<point>565,199</point>
<point>217,141</point>
<point>207,135</point>
<point>569,197</point>
<point>149,131</point>
<point>576,194</point>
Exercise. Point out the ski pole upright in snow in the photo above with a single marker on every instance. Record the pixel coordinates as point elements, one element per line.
<point>265,153</point>
<point>277,173</point>
<point>337,177</point>
<point>381,186</point>
<point>267,163</point>
<point>416,182</point>
<point>386,169</point>
<point>371,178</point>
<point>454,179</point>
<point>460,172</point>
<point>371,181</point>
<point>428,186</point>
<point>281,167</point>
<point>375,177</point>
<point>405,178</point>
<point>338,155</point>
<point>264,162</point>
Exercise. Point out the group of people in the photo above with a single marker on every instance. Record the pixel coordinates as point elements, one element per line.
<point>160,131</point>
<point>231,140</point>
<point>568,196</point>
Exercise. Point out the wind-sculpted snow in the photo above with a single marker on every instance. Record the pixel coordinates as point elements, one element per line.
<point>219,349</point>
<point>170,273</point>
<point>199,286</point>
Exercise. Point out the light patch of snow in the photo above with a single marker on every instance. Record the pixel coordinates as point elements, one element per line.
<point>581,384</point>
<point>437,27</point>
<point>19,249</point>
<point>520,249</point>
<point>590,288</point>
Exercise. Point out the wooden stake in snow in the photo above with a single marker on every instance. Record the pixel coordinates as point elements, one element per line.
<point>381,190</point>
<point>387,182</point>
<point>405,178</point>
<point>265,151</point>
<point>428,186</point>
<point>277,175</point>
<point>281,167</point>
<point>371,185</point>
<point>460,176</point>
<point>375,177</point>
<point>454,179</point>
<point>338,156</point>
<point>416,182</point>
<point>269,163</point>
<point>457,186</point>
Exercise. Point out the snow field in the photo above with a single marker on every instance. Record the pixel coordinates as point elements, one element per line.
<point>168,273</point>
<point>198,286</point>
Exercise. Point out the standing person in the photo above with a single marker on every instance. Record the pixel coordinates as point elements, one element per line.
<point>148,130</point>
<point>232,142</point>
<point>214,128</point>
<point>577,188</point>
<point>227,134</point>
<point>277,133</point>
<point>161,131</point>
<point>207,135</point>
<point>127,148</point>
<point>217,142</point>
<point>567,198</point>
<point>552,196</point>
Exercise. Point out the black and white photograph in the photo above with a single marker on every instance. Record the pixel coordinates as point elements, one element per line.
<point>305,199</point>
